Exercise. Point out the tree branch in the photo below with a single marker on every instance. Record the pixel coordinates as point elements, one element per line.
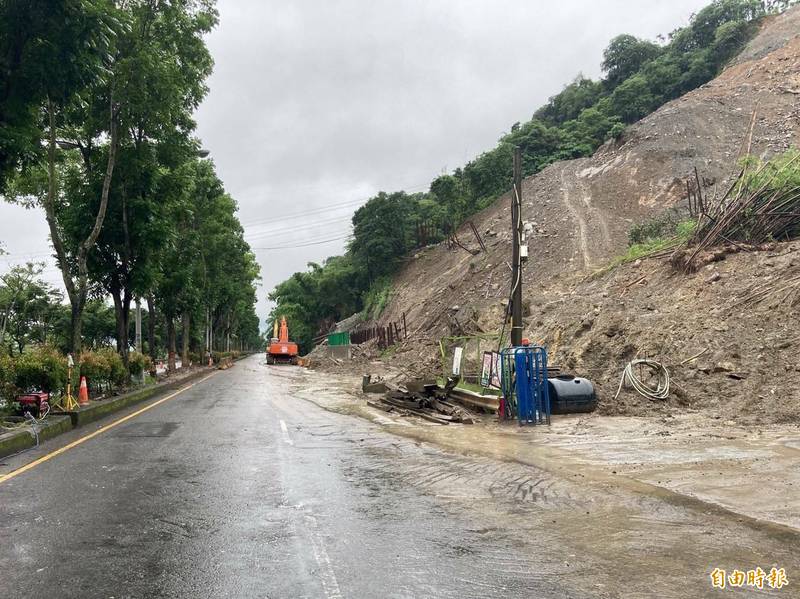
<point>101,212</point>
<point>50,204</point>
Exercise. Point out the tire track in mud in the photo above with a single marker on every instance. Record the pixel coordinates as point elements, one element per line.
<point>514,527</point>
<point>606,519</point>
<point>447,475</point>
<point>390,473</point>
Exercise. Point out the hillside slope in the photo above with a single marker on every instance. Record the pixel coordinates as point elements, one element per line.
<point>583,210</point>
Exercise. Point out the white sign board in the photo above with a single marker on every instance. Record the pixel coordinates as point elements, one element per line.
<point>457,354</point>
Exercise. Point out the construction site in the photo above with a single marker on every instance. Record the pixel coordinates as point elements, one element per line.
<point>689,348</point>
<point>717,310</point>
<point>565,369</point>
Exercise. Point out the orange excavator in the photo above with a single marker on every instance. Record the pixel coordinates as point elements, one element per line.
<point>281,350</point>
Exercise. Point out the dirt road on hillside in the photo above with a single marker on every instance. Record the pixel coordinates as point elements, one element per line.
<point>591,232</point>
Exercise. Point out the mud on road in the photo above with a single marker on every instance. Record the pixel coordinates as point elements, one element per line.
<point>273,481</point>
<point>577,508</point>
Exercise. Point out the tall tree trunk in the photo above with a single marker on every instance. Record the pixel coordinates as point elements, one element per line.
<point>187,322</point>
<point>208,335</point>
<point>228,334</point>
<point>171,343</point>
<point>76,325</point>
<point>151,333</point>
<point>3,325</point>
<point>125,312</point>
<point>77,291</point>
<point>211,331</point>
<point>126,322</point>
<point>122,312</point>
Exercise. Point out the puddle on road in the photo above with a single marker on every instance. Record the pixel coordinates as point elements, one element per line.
<point>146,429</point>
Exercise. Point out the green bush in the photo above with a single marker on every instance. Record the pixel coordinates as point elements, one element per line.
<point>218,356</point>
<point>103,369</point>
<point>616,131</point>
<point>139,363</point>
<point>43,369</point>
<point>650,237</point>
<point>8,368</point>
<point>94,368</point>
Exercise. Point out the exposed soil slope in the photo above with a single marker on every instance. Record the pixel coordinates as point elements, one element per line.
<point>582,212</point>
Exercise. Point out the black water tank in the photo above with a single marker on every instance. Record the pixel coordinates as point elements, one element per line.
<point>571,395</point>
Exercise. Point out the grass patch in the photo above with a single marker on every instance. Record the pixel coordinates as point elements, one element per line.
<point>651,237</point>
<point>389,352</point>
<point>377,298</point>
<point>665,225</point>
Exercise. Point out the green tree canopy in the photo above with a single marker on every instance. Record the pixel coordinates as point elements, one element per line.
<point>624,56</point>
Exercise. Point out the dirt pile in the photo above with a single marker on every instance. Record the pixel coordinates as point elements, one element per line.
<point>728,333</point>
<point>581,212</point>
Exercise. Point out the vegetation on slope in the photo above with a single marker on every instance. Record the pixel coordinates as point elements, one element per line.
<point>640,76</point>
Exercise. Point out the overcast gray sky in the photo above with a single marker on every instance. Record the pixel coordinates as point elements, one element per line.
<point>320,104</point>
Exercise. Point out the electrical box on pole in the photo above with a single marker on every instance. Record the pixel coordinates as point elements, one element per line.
<point>516,258</point>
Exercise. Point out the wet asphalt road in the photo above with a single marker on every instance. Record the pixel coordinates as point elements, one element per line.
<point>239,488</point>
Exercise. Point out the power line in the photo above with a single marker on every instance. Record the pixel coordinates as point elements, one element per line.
<point>340,205</point>
<point>290,230</point>
<point>301,245</point>
<point>318,185</point>
<point>302,214</point>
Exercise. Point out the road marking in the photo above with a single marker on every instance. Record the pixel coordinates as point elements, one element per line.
<point>285,430</point>
<point>329,583</point>
<point>99,431</point>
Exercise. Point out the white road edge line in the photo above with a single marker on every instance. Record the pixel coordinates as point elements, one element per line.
<point>285,430</point>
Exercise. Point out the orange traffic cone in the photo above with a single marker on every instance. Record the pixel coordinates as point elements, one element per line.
<point>83,393</point>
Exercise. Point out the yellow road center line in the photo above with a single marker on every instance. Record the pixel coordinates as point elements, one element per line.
<point>99,431</point>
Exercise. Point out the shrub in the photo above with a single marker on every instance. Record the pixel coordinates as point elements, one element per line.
<point>666,225</point>
<point>218,356</point>
<point>139,363</point>
<point>616,131</point>
<point>103,369</point>
<point>94,368</point>
<point>44,369</point>
<point>8,387</point>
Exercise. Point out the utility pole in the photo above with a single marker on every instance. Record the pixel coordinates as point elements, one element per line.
<point>138,341</point>
<point>138,337</point>
<point>516,262</point>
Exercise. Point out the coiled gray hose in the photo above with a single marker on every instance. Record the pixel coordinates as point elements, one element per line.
<point>660,391</point>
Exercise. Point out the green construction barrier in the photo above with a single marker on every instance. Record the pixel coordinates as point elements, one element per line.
<point>339,339</point>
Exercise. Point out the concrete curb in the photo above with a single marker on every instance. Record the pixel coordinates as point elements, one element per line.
<point>62,422</point>
<point>22,439</point>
